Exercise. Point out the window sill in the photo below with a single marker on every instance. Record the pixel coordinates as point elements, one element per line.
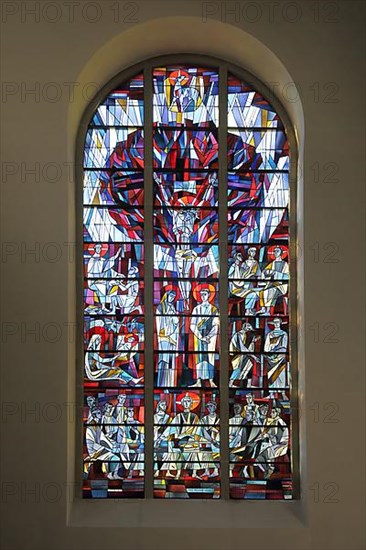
<point>235,514</point>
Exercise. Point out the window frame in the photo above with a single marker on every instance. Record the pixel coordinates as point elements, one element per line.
<point>224,68</point>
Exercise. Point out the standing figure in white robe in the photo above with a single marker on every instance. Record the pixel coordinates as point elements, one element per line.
<point>167,328</point>
<point>161,420</point>
<point>210,434</point>
<point>161,417</point>
<point>242,364</point>
<point>276,271</point>
<point>113,435</point>
<point>120,409</point>
<point>183,446</point>
<point>236,427</point>
<point>99,449</point>
<point>248,431</point>
<point>250,408</point>
<point>135,441</point>
<point>276,341</point>
<point>205,327</point>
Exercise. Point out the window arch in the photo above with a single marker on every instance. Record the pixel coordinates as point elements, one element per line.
<point>186,287</point>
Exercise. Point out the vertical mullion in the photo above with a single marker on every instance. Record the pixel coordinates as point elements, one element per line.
<point>223,286</point>
<point>148,277</point>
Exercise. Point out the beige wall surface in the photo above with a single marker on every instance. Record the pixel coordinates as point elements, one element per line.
<point>55,55</point>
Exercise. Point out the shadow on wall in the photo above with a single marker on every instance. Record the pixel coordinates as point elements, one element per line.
<point>163,36</point>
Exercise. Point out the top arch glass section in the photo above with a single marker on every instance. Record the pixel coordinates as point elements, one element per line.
<point>124,106</point>
<point>186,96</point>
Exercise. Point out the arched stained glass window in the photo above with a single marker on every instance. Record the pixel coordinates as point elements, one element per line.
<point>186,289</point>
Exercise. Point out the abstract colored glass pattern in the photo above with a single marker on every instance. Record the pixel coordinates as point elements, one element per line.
<point>187,281</point>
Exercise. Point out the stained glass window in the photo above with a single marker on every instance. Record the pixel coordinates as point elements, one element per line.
<point>186,231</point>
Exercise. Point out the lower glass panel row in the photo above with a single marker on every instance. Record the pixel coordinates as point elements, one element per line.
<point>186,461</point>
<point>247,481</point>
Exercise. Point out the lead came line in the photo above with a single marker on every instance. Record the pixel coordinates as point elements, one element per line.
<point>223,286</point>
<point>149,266</point>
